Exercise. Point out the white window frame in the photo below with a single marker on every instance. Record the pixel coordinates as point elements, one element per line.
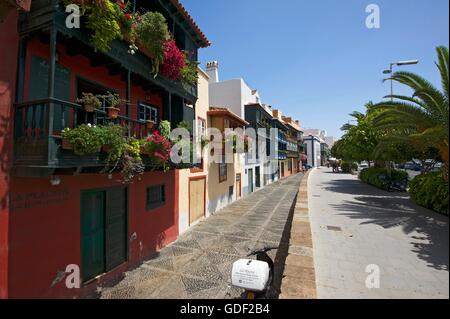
<point>150,112</point>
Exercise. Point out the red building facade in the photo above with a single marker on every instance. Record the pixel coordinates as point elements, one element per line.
<point>58,209</point>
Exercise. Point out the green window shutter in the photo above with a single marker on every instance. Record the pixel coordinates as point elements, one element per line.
<point>39,87</point>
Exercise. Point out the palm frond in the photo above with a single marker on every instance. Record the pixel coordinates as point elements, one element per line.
<point>442,64</point>
<point>418,83</point>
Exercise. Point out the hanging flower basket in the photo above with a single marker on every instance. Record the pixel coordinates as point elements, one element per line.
<point>113,112</point>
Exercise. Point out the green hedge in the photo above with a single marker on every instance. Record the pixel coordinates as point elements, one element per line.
<point>372,176</point>
<point>430,191</point>
<point>345,166</point>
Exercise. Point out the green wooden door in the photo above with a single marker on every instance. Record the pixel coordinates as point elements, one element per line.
<point>104,231</point>
<point>92,234</point>
<point>116,227</point>
<point>250,180</point>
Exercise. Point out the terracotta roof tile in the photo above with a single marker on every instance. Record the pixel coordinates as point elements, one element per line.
<point>190,20</point>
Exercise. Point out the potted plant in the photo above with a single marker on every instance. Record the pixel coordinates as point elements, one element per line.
<point>114,101</point>
<point>150,124</point>
<point>86,139</point>
<point>152,34</point>
<point>90,102</point>
<point>66,145</point>
<point>157,148</point>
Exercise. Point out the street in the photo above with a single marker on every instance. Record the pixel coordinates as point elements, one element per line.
<point>356,225</point>
<point>198,265</point>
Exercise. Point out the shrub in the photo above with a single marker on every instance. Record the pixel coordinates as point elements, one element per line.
<point>347,165</point>
<point>164,128</point>
<point>103,20</point>
<point>115,140</point>
<point>430,191</point>
<point>85,139</point>
<point>378,176</point>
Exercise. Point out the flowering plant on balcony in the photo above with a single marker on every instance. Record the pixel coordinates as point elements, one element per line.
<point>132,164</point>
<point>115,141</point>
<point>174,61</point>
<point>157,147</point>
<point>86,139</point>
<point>189,73</point>
<point>122,152</point>
<point>90,102</point>
<point>153,32</point>
<point>237,140</point>
<point>204,141</point>
<point>103,19</point>
<point>114,101</point>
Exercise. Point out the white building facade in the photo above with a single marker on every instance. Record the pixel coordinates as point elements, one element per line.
<point>235,94</point>
<point>313,150</point>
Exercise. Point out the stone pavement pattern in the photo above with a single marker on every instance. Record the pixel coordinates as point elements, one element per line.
<point>410,244</point>
<point>198,265</point>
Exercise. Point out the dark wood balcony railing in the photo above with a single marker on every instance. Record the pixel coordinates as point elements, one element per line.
<point>38,127</point>
<point>50,14</point>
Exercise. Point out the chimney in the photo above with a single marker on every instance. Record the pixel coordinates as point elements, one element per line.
<point>276,114</point>
<point>212,69</point>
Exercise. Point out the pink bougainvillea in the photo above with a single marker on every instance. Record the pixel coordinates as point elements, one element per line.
<point>173,61</point>
<point>158,147</point>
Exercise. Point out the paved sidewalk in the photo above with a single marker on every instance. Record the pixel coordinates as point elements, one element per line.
<point>198,265</point>
<point>299,276</point>
<point>356,225</point>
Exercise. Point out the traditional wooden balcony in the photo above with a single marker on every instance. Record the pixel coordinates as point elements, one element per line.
<point>37,136</point>
<point>48,15</point>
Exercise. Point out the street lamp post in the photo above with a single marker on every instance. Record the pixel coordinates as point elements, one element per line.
<point>390,71</point>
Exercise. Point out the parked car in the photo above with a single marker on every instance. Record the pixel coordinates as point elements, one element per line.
<point>437,167</point>
<point>412,166</point>
<point>363,165</point>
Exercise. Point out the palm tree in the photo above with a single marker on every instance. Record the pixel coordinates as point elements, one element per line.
<point>421,119</point>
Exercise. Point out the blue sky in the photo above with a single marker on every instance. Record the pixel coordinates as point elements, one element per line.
<point>316,60</point>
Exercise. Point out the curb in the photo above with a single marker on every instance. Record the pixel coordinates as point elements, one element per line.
<point>299,279</point>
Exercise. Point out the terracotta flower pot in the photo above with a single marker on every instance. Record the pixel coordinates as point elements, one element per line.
<point>89,107</point>
<point>66,145</point>
<point>150,124</point>
<point>113,112</point>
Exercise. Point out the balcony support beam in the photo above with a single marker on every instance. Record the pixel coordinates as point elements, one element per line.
<point>128,93</point>
<point>51,90</point>
<point>21,70</point>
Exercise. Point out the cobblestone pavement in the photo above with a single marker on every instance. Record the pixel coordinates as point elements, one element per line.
<point>355,225</point>
<point>198,265</point>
